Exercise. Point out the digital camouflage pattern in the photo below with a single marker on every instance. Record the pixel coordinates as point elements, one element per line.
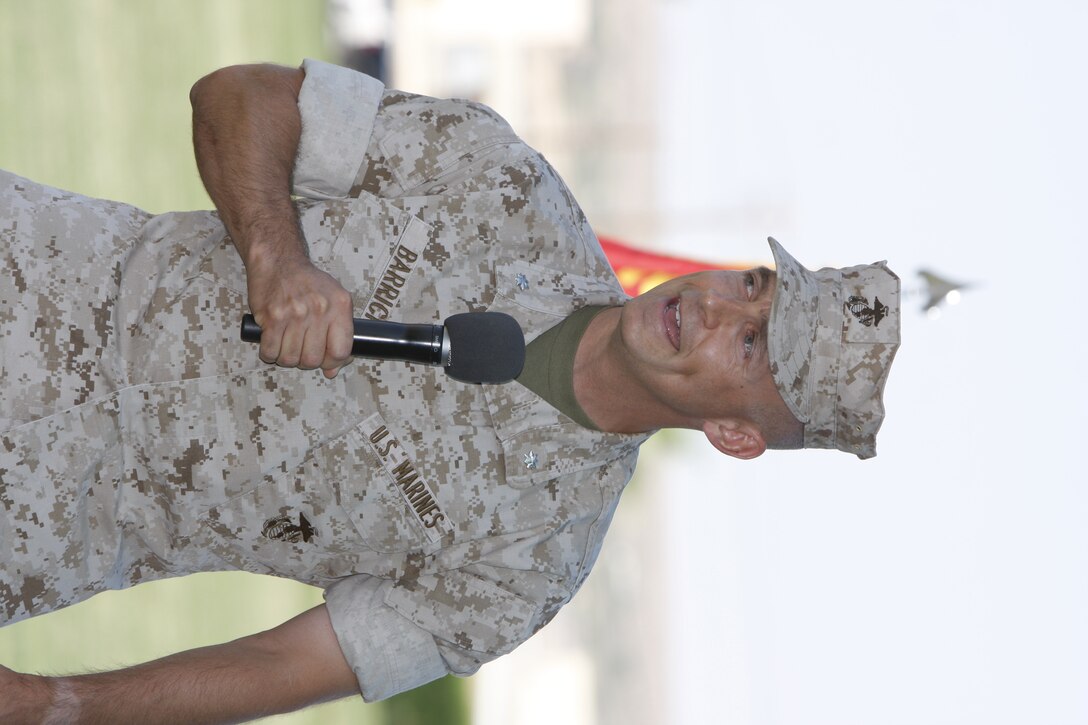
<point>833,336</point>
<point>139,438</point>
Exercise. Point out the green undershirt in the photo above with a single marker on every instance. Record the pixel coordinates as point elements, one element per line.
<point>549,364</point>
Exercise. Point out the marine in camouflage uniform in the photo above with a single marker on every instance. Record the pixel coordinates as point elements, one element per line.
<point>447,522</point>
<point>141,439</point>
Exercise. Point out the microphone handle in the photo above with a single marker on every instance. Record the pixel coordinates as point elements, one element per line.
<point>381,339</point>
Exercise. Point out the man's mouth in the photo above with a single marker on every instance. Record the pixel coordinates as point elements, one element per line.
<point>672,322</point>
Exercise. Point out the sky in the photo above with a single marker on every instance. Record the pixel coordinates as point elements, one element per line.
<point>943,581</point>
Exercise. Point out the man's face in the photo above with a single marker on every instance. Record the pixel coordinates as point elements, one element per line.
<point>699,342</point>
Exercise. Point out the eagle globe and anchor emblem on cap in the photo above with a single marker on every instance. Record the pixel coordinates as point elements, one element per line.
<point>866,315</point>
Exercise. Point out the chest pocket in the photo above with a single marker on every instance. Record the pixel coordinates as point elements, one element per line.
<point>391,505</point>
<point>380,256</point>
<point>338,513</point>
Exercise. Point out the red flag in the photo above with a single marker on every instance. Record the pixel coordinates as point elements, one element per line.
<point>639,270</point>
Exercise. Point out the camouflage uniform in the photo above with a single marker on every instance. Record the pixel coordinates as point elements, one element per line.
<point>141,439</point>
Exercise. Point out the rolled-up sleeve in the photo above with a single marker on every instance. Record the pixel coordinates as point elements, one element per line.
<point>399,635</point>
<point>388,653</point>
<point>338,106</point>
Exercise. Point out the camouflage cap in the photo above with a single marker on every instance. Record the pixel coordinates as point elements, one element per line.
<point>833,334</point>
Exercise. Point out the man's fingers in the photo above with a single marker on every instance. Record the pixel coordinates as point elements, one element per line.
<point>313,346</point>
<point>305,316</point>
<point>318,341</point>
<point>338,341</point>
<point>337,347</point>
<point>291,344</point>
<point>271,340</point>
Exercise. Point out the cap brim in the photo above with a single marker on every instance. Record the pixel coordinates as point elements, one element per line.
<point>794,316</point>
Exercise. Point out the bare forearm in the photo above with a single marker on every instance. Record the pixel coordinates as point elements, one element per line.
<point>296,665</point>
<point>246,130</point>
<point>207,685</point>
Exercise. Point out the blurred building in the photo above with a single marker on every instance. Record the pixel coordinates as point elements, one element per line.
<point>360,31</point>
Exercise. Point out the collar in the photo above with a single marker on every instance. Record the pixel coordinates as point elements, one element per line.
<point>539,442</point>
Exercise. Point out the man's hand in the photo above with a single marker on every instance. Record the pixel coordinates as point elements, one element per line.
<point>304,314</point>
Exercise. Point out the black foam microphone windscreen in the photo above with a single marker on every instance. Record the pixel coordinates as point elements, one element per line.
<point>485,347</point>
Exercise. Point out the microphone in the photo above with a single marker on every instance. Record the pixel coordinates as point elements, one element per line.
<point>473,347</point>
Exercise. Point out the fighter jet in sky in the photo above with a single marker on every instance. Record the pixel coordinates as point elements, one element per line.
<point>939,289</point>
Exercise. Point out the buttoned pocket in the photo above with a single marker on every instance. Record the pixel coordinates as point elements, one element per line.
<point>291,525</point>
<point>339,512</point>
<point>380,258</point>
<point>391,507</point>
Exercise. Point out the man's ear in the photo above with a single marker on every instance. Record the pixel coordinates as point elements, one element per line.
<point>736,438</point>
